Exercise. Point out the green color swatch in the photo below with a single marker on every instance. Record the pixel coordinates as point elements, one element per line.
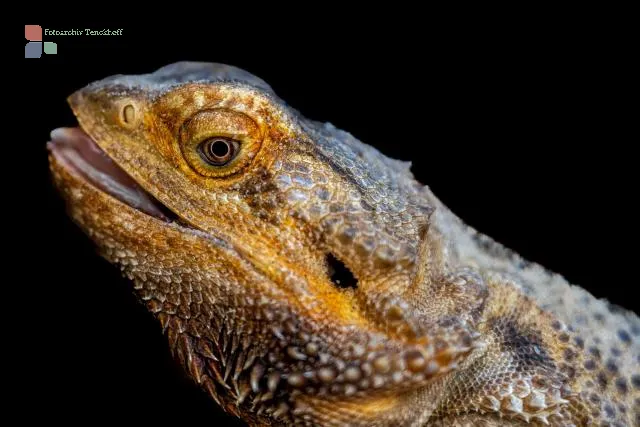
<point>50,47</point>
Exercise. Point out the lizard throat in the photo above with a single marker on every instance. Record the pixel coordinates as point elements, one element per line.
<point>81,155</point>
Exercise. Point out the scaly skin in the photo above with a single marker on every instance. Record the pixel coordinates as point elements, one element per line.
<point>444,327</point>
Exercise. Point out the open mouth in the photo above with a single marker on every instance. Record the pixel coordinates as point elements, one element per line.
<point>79,153</point>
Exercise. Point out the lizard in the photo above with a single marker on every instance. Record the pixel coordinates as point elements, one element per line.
<point>301,277</point>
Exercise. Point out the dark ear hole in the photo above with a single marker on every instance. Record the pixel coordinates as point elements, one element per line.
<point>340,274</point>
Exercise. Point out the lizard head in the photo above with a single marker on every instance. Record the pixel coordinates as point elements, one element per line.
<point>279,254</point>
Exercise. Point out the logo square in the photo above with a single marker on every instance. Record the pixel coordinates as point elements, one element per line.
<point>50,48</point>
<point>33,33</point>
<point>33,50</point>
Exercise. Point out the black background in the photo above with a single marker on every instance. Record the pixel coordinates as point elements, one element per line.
<point>527,135</point>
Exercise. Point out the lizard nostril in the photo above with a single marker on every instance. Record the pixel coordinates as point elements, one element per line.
<point>340,274</point>
<point>128,115</point>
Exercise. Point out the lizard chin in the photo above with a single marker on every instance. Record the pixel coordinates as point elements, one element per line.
<point>75,149</point>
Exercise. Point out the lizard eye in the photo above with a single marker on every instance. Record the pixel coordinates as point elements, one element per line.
<point>218,151</point>
<point>220,142</point>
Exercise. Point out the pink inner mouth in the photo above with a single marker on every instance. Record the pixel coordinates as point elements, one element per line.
<point>81,154</point>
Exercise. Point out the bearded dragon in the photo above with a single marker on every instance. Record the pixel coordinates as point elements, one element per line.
<point>303,278</point>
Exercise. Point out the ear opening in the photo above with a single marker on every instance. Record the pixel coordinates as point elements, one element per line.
<point>340,275</point>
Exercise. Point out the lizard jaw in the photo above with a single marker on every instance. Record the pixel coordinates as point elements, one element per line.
<point>75,149</point>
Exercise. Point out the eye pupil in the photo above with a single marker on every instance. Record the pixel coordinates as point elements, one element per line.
<point>218,151</point>
<point>220,148</point>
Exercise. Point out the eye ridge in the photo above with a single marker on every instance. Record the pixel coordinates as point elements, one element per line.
<point>218,151</point>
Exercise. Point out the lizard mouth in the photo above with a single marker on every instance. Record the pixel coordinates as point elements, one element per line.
<point>75,149</point>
